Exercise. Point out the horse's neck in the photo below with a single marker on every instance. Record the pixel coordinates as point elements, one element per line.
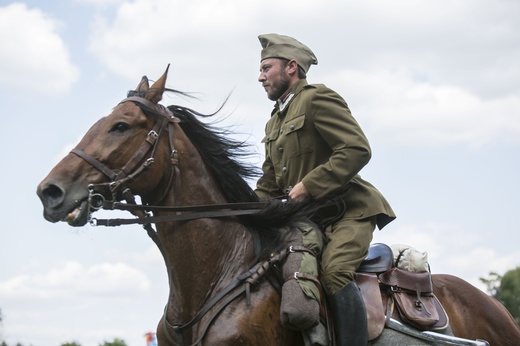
<point>203,255</point>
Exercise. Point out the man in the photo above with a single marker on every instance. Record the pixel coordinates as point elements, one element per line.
<point>314,149</point>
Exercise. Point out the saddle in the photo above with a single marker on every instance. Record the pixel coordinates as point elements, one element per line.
<point>391,292</point>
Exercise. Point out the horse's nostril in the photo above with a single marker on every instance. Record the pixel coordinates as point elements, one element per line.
<point>52,194</point>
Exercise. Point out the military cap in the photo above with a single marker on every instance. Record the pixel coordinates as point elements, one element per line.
<point>285,47</point>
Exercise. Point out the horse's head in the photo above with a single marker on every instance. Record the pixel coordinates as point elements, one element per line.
<point>114,154</point>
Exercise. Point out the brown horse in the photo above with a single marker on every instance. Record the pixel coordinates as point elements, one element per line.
<point>473,314</point>
<point>218,295</point>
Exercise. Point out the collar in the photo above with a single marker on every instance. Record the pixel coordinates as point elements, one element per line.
<point>286,98</point>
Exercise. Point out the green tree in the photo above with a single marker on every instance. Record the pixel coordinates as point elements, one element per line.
<point>506,289</point>
<point>508,293</point>
<point>116,342</point>
<point>72,343</point>
<point>492,283</point>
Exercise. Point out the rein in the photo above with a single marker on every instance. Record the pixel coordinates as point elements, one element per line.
<point>182,213</point>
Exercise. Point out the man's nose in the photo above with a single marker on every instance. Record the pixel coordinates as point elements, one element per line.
<point>261,77</point>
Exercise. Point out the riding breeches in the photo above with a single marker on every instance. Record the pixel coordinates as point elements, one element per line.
<point>347,247</point>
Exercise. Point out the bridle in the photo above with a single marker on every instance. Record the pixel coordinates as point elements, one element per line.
<point>119,180</point>
<point>138,163</point>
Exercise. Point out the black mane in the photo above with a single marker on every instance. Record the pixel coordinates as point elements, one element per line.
<point>222,155</point>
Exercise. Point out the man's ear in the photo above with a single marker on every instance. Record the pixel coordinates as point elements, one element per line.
<point>292,67</point>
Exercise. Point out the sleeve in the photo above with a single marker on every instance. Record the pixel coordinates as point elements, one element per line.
<point>350,150</point>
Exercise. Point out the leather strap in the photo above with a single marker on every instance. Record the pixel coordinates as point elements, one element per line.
<point>110,205</point>
<point>144,148</point>
<point>172,218</point>
<point>95,163</point>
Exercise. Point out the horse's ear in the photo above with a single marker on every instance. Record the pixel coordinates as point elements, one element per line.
<point>143,85</point>
<point>157,89</point>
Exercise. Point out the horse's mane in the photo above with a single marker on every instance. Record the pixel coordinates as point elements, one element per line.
<point>224,158</point>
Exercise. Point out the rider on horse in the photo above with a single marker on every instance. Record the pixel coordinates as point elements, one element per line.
<point>314,150</point>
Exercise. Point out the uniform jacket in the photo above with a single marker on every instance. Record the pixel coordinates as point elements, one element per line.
<point>312,137</point>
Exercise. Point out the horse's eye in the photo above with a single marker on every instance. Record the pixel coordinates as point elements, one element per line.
<point>120,127</point>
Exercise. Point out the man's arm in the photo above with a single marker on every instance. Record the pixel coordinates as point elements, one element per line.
<point>350,148</point>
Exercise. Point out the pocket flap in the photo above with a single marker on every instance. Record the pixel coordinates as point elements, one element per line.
<point>294,124</point>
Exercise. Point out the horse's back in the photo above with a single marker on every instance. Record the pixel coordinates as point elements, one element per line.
<point>473,314</point>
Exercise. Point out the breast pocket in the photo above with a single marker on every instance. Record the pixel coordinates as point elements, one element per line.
<point>297,137</point>
<point>271,147</point>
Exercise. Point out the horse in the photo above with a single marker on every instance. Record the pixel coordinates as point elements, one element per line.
<point>219,243</point>
<point>473,314</point>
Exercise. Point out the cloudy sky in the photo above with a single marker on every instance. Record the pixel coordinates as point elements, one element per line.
<point>434,84</point>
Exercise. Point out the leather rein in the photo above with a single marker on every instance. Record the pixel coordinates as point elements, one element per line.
<point>118,190</point>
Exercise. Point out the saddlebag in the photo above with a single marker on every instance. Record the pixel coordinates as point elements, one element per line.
<point>412,295</point>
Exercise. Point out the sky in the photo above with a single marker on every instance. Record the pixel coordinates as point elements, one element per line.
<point>434,84</point>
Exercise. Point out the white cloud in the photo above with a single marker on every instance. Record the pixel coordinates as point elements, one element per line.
<point>421,112</point>
<point>33,57</point>
<point>105,279</point>
<point>100,3</point>
<point>436,85</point>
<point>149,34</point>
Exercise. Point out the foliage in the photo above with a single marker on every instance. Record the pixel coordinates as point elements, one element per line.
<point>506,289</point>
<point>492,283</point>
<point>508,293</point>
<point>116,342</point>
<point>72,343</point>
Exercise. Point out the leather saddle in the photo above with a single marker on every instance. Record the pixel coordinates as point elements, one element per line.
<point>390,292</point>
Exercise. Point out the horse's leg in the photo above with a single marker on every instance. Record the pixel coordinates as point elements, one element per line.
<point>473,314</point>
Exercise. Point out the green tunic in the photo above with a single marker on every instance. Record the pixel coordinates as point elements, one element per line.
<point>312,137</point>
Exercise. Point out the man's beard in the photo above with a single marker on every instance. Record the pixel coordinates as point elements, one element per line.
<point>278,87</point>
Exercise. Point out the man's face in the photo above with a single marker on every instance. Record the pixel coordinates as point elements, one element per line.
<point>273,77</point>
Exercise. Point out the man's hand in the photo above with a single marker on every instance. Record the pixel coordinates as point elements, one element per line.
<point>299,192</point>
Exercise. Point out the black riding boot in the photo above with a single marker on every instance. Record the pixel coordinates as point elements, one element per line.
<point>349,316</point>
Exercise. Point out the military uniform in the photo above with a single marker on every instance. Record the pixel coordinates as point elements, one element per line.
<point>313,138</point>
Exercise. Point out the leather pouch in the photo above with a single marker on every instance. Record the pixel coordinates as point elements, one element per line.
<point>413,297</point>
